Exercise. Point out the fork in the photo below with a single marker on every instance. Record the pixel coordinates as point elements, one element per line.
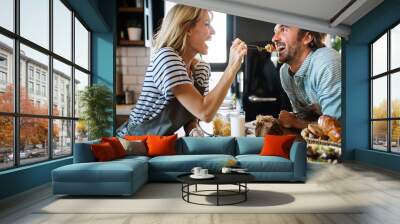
<point>260,49</point>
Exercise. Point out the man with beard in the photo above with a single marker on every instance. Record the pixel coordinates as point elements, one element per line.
<point>310,75</point>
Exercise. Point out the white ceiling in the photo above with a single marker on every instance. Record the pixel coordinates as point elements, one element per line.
<point>319,15</point>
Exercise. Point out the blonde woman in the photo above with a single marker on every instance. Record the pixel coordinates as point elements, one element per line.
<point>175,89</point>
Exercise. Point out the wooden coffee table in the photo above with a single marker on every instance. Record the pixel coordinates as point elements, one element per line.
<point>238,179</point>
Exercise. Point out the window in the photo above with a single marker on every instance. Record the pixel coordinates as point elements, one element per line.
<point>43,90</point>
<point>81,45</point>
<point>30,87</point>
<point>3,61</point>
<point>3,78</point>
<point>81,81</point>
<point>7,73</point>
<point>217,56</point>
<point>3,72</point>
<point>37,75</point>
<point>46,129</point>
<point>62,30</point>
<point>35,22</point>
<point>7,14</point>
<point>38,89</point>
<point>30,72</point>
<point>62,79</point>
<point>385,95</point>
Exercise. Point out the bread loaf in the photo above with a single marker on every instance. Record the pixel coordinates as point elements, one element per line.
<point>267,125</point>
<point>330,127</point>
<point>315,130</point>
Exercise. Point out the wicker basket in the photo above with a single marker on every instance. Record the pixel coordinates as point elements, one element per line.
<point>323,150</point>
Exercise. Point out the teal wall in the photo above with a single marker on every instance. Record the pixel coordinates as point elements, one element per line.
<point>103,51</point>
<point>24,178</point>
<point>100,16</point>
<point>356,84</point>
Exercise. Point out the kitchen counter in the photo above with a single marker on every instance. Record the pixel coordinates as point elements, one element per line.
<point>124,109</point>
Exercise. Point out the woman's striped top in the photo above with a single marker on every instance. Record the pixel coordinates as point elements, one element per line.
<point>166,70</point>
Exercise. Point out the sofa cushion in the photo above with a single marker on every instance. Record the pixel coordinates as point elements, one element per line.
<point>201,145</point>
<point>161,145</point>
<point>277,145</point>
<point>249,145</point>
<point>185,163</point>
<point>103,152</point>
<point>116,145</point>
<point>129,158</point>
<point>134,147</point>
<point>257,163</point>
<point>136,137</point>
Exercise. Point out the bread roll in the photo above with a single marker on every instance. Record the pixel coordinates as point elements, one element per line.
<point>316,130</point>
<point>330,127</point>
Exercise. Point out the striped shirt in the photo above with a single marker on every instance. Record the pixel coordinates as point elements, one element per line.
<point>165,71</point>
<point>316,86</point>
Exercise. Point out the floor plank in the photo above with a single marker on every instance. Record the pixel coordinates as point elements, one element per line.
<point>376,190</point>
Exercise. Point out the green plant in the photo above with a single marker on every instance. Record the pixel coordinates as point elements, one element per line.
<point>96,104</point>
<point>133,23</point>
<point>337,43</point>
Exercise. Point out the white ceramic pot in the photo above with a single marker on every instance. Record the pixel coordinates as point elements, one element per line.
<point>134,33</point>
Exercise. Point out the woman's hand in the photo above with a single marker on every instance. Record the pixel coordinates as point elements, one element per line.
<point>237,51</point>
<point>205,107</point>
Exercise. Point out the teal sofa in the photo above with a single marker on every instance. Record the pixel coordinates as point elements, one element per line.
<point>125,176</point>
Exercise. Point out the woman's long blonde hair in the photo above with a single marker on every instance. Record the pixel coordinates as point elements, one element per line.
<point>174,28</point>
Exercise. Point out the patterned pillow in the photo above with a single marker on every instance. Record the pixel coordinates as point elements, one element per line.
<point>136,147</point>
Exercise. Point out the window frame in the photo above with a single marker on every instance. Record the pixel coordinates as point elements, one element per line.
<point>220,67</point>
<point>388,74</point>
<point>16,114</point>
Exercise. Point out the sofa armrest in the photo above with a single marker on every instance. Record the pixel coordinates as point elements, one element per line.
<point>83,152</point>
<point>298,155</point>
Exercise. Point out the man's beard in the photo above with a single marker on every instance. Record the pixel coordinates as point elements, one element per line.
<point>290,55</point>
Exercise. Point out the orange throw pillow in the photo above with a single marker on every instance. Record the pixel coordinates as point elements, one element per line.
<point>161,145</point>
<point>103,151</point>
<point>136,137</point>
<point>277,145</point>
<point>116,145</point>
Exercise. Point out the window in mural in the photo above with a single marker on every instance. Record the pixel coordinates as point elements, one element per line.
<point>43,112</point>
<point>385,94</point>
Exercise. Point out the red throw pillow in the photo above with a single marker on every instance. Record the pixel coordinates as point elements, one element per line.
<point>116,145</point>
<point>277,145</point>
<point>136,137</point>
<point>103,151</point>
<point>161,145</point>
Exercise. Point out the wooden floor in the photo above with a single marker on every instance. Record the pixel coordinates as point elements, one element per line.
<point>377,188</point>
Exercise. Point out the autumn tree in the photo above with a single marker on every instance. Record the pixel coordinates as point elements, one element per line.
<point>33,131</point>
<point>380,127</point>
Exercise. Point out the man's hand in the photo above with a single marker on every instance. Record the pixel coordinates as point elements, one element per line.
<point>289,120</point>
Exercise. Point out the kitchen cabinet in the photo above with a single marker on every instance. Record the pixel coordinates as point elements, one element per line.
<point>146,15</point>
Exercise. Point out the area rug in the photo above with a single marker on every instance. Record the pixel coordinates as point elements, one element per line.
<point>167,198</point>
